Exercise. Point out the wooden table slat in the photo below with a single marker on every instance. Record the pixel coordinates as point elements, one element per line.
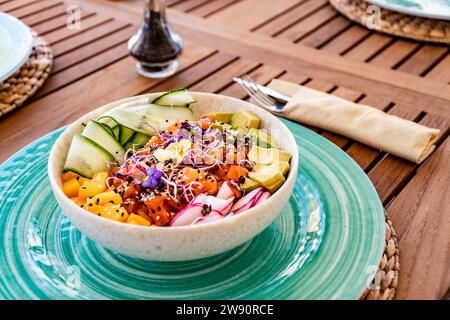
<point>211,7</point>
<point>420,214</point>
<point>81,39</point>
<point>303,10</point>
<point>346,40</point>
<point>55,11</point>
<point>326,32</point>
<point>83,68</point>
<point>12,5</point>
<point>55,36</point>
<point>264,11</point>
<point>104,43</point>
<point>306,26</point>
<point>57,23</point>
<point>35,8</point>
<point>189,5</point>
<point>424,59</point>
<point>441,71</point>
<point>395,54</point>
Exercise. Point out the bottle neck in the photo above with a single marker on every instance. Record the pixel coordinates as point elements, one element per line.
<point>154,11</point>
<point>155,5</point>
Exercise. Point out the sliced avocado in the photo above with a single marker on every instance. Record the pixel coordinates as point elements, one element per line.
<point>224,117</point>
<point>221,126</point>
<point>275,186</point>
<point>244,120</point>
<point>268,177</point>
<point>281,166</point>
<point>249,185</point>
<point>261,155</point>
<point>261,138</point>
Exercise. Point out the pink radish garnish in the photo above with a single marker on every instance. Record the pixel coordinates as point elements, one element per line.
<point>190,213</point>
<point>209,218</point>
<point>248,201</point>
<point>219,205</point>
<point>225,192</point>
<point>264,197</point>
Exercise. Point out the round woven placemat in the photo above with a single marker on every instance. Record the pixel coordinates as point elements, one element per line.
<point>395,23</point>
<point>24,83</point>
<point>385,282</point>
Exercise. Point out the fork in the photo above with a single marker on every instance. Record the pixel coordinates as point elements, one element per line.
<point>275,102</point>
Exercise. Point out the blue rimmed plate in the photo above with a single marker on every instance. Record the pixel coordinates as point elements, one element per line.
<point>326,244</point>
<point>434,9</point>
<point>16,42</point>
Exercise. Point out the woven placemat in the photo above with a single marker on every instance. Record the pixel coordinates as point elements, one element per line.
<point>24,83</point>
<point>385,282</point>
<point>394,23</point>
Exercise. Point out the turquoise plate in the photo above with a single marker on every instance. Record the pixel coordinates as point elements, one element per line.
<point>434,9</point>
<point>326,244</point>
<point>16,42</point>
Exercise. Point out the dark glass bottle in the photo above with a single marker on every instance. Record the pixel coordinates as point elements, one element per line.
<point>155,46</point>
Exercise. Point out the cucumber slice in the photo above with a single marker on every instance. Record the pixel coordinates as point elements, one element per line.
<point>137,141</point>
<point>97,133</point>
<point>177,98</point>
<point>110,122</point>
<point>116,132</point>
<point>86,157</point>
<point>140,139</point>
<point>129,145</point>
<point>107,128</point>
<point>125,135</point>
<point>139,118</point>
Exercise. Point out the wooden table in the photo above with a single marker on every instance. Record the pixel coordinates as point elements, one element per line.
<point>304,41</point>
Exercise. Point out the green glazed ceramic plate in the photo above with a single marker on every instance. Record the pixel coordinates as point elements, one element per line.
<point>434,9</point>
<point>16,43</point>
<point>326,244</point>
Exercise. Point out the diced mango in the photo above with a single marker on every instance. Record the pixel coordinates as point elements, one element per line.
<point>143,215</point>
<point>100,178</point>
<point>77,201</point>
<point>71,188</point>
<point>66,176</point>
<point>90,188</point>
<point>105,197</point>
<point>108,211</point>
<point>137,220</point>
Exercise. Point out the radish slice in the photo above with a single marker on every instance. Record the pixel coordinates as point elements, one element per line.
<point>266,195</point>
<point>248,201</point>
<point>190,213</point>
<point>209,218</point>
<point>225,192</point>
<point>219,205</point>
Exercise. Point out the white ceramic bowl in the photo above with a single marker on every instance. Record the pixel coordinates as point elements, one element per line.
<point>177,243</point>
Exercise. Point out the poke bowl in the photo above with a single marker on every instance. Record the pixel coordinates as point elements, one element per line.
<point>131,176</point>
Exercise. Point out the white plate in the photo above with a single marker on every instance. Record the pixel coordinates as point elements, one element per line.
<point>16,42</point>
<point>434,9</point>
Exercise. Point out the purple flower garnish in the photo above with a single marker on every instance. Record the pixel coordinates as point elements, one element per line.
<point>153,176</point>
<point>186,125</point>
<point>168,142</point>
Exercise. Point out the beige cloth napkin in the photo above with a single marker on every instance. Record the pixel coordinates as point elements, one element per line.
<point>362,123</point>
